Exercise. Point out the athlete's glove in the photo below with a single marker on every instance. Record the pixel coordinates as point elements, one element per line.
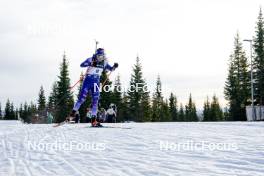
<point>81,77</point>
<point>115,65</point>
<point>94,63</point>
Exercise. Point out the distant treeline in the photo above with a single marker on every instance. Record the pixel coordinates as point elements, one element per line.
<point>132,105</point>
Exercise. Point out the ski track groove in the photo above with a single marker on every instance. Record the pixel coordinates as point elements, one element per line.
<point>134,151</point>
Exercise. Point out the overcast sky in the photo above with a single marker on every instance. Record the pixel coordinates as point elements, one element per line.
<point>186,42</point>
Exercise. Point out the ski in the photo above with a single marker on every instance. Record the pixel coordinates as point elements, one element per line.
<point>60,124</point>
<point>68,120</point>
<point>110,127</point>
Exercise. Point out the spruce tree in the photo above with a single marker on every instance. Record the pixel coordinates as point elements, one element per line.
<point>259,60</point>
<point>157,102</point>
<point>237,86</point>
<point>17,114</point>
<point>215,113</point>
<point>187,114</point>
<point>146,107</point>
<point>12,112</point>
<point>64,97</point>
<point>181,114</point>
<point>7,110</point>
<point>206,110</point>
<point>173,107</point>
<point>41,99</point>
<point>52,97</point>
<point>31,112</point>
<point>190,111</point>
<point>231,92</point>
<point>123,110</point>
<point>20,111</point>
<point>105,94</point>
<point>194,114</point>
<point>226,114</point>
<point>165,112</point>
<point>26,113</point>
<point>120,99</point>
<point>136,93</point>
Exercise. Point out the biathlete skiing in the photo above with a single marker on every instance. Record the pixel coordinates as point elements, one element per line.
<point>91,83</point>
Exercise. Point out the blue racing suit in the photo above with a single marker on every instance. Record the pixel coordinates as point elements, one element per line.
<point>91,82</point>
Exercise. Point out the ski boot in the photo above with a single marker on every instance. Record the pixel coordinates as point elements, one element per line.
<point>71,117</point>
<point>94,122</point>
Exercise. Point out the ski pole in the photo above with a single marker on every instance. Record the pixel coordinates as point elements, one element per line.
<point>96,43</point>
<point>70,88</point>
<point>80,78</point>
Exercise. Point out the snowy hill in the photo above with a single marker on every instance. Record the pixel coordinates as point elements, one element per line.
<point>146,149</point>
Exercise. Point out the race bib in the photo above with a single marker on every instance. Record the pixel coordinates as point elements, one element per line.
<point>95,71</point>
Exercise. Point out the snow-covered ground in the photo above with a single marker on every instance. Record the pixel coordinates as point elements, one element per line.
<point>145,149</point>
